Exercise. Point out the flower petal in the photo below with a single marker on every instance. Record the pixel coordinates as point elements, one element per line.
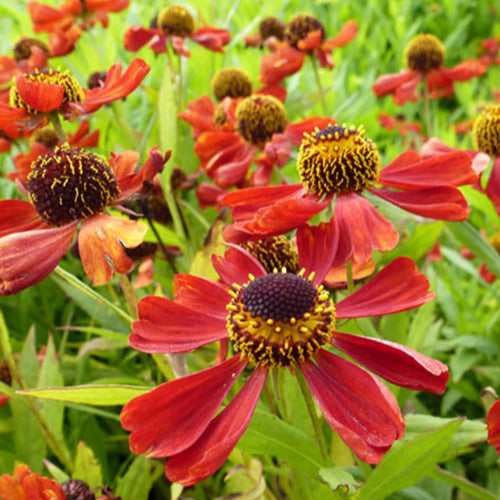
<point>40,96</point>
<point>295,131</point>
<point>136,37</point>
<point>493,424</point>
<point>212,38</point>
<point>275,67</point>
<point>346,34</point>
<point>28,257</point>
<point>102,239</point>
<point>355,404</point>
<point>18,216</point>
<point>396,363</point>
<point>493,185</point>
<point>398,287</point>
<point>387,84</point>
<point>213,447</point>
<point>171,417</point>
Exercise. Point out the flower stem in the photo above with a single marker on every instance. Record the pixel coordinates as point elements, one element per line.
<point>311,408</point>
<point>56,123</point>
<point>463,484</point>
<point>321,92</point>
<point>58,447</point>
<point>427,108</point>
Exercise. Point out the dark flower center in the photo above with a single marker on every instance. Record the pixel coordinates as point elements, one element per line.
<point>424,52</point>
<point>95,79</point>
<point>486,130</point>
<point>274,253</point>
<point>46,136</point>
<point>176,20</point>
<point>72,90</point>
<point>337,160</point>
<point>259,117</point>
<point>231,82</point>
<point>300,26</point>
<point>280,319</point>
<point>68,184</point>
<point>76,489</point>
<point>271,26</point>
<point>5,375</point>
<point>22,50</point>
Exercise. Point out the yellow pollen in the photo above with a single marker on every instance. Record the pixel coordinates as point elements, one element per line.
<point>486,130</point>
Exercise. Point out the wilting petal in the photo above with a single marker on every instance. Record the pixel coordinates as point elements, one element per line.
<point>275,67</point>
<point>396,363</point>
<point>452,169</point>
<point>102,238</point>
<point>439,202</point>
<point>387,84</point>
<point>236,265</point>
<point>317,246</point>
<point>136,37</point>
<point>212,38</point>
<point>493,424</point>
<point>398,287</point>
<point>62,42</point>
<point>213,447</point>
<point>40,96</point>
<point>171,417</point>
<point>356,405</point>
<point>27,258</point>
<point>364,227</point>
<point>166,326</point>
<point>18,216</point>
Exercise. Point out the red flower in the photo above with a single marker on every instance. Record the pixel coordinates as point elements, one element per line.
<point>493,424</point>
<point>490,51</point>
<point>28,485</point>
<point>34,95</point>
<point>178,419</point>
<point>425,56</point>
<point>35,235</point>
<point>337,164</point>
<point>174,24</point>
<point>304,36</point>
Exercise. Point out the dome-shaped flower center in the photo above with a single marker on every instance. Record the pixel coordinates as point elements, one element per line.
<point>274,253</point>
<point>95,79</point>
<point>22,49</point>
<point>46,136</point>
<point>486,130</point>
<point>231,82</point>
<point>271,26</point>
<point>220,116</point>
<point>337,160</point>
<point>424,52</point>
<point>68,184</point>
<point>176,20</point>
<point>279,319</point>
<point>259,117</point>
<point>300,26</point>
<point>72,90</point>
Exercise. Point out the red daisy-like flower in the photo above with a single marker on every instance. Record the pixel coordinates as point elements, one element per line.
<point>68,185</point>
<point>493,424</point>
<point>424,57</point>
<point>34,95</point>
<point>275,320</point>
<point>304,35</point>
<point>174,24</point>
<point>336,165</point>
<point>29,485</point>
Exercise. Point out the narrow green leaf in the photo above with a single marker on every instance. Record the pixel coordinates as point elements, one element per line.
<point>139,478</point>
<point>167,113</point>
<point>58,474</point>
<point>408,461</point>
<point>87,467</point>
<point>100,395</point>
<point>339,480</point>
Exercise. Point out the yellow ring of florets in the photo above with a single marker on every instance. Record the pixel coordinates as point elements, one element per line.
<point>424,52</point>
<point>274,343</point>
<point>486,130</point>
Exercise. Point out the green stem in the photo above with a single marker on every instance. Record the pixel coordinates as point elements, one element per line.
<point>318,84</point>
<point>58,448</point>
<point>82,287</point>
<point>463,484</point>
<point>164,366</point>
<point>280,385</point>
<point>56,123</point>
<point>130,295</point>
<point>427,108</point>
<point>311,408</point>
<point>350,280</point>
<point>169,257</point>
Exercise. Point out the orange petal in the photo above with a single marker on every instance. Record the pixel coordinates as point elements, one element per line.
<point>40,96</point>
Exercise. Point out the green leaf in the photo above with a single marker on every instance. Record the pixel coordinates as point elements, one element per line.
<point>269,435</point>
<point>138,480</point>
<point>339,480</point>
<point>419,326</point>
<point>58,474</point>
<point>100,395</point>
<point>408,461</point>
<point>87,467</point>
<point>167,115</point>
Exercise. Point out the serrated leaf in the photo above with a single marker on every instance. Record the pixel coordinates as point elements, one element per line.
<point>408,461</point>
<point>339,480</point>
<point>99,395</point>
<point>87,467</point>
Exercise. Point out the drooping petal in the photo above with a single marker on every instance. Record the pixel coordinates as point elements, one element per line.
<point>275,67</point>
<point>102,239</point>
<point>439,202</point>
<point>40,96</point>
<point>311,41</point>
<point>47,19</point>
<point>356,405</point>
<point>464,71</point>
<point>18,216</point>
<point>398,287</point>
<point>396,363</point>
<point>213,447</point>
<point>179,46</point>
<point>63,42</point>
<point>200,115</point>
<point>387,84</point>
<point>346,34</point>
<point>212,38</point>
<point>276,153</point>
<point>166,326</point>
<point>171,417</point>
<point>28,257</point>
<point>407,91</point>
<point>136,37</point>
<point>493,424</point>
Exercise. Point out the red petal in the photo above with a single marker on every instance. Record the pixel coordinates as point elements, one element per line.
<point>398,287</point>
<point>311,41</point>
<point>387,84</point>
<point>171,417</point>
<point>212,38</point>
<point>356,405</point>
<point>396,363</point>
<point>452,169</point>
<point>102,239</point>
<point>346,34</point>
<point>440,202</point>
<point>28,257</point>
<point>210,451</point>
<point>277,66</point>
<point>63,42</point>
<point>464,71</point>
<point>295,131</point>
<point>46,18</point>
<point>236,265</point>
<point>8,117</point>
<point>407,91</point>
<point>200,115</point>
<point>493,424</point>
<point>40,96</point>
<point>136,37</point>
<point>179,47</point>
<point>493,186</point>
<point>18,216</point>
